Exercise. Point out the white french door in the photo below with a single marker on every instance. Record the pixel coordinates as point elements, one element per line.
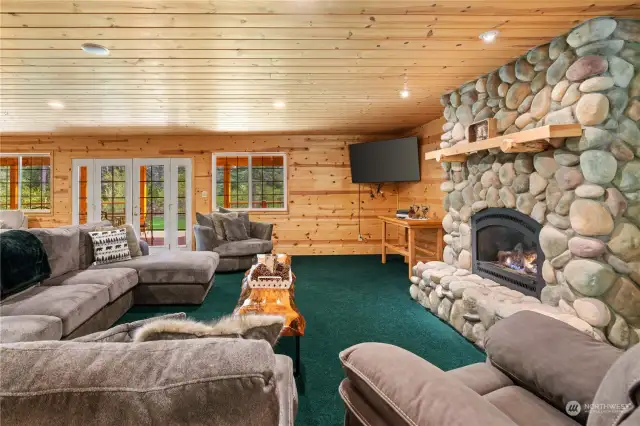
<point>153,194</point>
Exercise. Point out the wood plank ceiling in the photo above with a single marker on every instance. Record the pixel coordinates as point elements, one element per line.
<point>188,66</point>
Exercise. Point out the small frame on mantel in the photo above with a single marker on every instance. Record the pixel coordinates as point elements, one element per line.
<point>482,130</point>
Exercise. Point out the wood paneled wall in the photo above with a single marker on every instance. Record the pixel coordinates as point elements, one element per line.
<point>323,203</point>
<point>427,191</point>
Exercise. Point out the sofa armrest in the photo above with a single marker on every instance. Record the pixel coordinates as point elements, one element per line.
<point>206,239</point>
<point>197,381</point>
<point>261,230</point>
<point>550,358</point>
<point>405,389</point>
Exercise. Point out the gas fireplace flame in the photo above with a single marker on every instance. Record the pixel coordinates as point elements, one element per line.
<point>519,260</point>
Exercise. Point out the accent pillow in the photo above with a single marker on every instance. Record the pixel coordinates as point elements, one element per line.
<point>204,220</point>
<point>242,215</point>
<point>234,229</point>
<point>110,246</point>
<point>254,327</point>
<point>132,238</point>
<point>218,226</point>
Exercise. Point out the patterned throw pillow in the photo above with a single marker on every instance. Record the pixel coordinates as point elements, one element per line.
<point>110,246</point>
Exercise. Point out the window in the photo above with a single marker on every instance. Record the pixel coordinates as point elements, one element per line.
<point>25,182</point>
<point>255,181</point>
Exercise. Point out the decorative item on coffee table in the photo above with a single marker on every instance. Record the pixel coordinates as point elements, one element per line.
<point>269,288</point>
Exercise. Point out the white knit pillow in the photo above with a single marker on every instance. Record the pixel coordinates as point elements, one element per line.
<point>110,246</point>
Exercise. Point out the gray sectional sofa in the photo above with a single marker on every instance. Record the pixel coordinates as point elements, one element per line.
<point>108,379</point>
<point>80,298</point>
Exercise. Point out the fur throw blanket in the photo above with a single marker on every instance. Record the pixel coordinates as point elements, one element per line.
<point>255,327</point>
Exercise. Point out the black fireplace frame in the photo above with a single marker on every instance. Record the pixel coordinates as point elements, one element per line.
<point>520,222</point>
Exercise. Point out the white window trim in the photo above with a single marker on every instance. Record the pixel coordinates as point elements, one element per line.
<point>250,155</point>
<point>37,154</point>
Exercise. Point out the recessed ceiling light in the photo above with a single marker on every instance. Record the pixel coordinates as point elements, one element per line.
<point>404,93</point>
<point>279,104</point>
<point>95,49</point>
<point>56,104</point>
<point>489,36</point>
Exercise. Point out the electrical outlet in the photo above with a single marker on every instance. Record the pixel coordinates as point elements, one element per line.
<point>205,194</point>
<point>360,237</point>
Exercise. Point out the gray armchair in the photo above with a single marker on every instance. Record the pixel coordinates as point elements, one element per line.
<point>235,255</point>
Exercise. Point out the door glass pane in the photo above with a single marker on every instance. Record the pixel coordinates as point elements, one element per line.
<point>152,214</point>
<point>113,194</point>
<point>182,206</point>
<point>83,194</point>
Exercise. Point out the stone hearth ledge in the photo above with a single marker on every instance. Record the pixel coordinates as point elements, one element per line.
<point>472,304</point>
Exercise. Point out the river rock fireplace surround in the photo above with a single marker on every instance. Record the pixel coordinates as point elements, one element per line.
<point>582,193</point>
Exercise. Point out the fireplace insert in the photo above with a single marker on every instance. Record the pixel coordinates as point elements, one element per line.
<point>506,249</point>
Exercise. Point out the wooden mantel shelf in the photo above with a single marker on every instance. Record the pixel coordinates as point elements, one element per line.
<point>533,140</point>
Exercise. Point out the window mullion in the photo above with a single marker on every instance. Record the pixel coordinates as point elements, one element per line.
<point>19,182</point>
<point>250,172</point>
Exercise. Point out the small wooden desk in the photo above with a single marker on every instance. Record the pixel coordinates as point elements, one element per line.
<point>409,235</point>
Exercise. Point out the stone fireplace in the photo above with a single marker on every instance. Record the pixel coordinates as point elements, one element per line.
<point>576,204</point>
<point>505,248</point>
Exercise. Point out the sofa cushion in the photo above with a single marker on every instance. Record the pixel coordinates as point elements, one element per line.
<point>171,267</point>
<point>27,328</point>
<point>526,409</point>
<point>407,390</point>
<point>481,377</point>
<point>117,280</point>
<point>61,245</point>
<point>550,358</point>
<point>72,304</point>
<point>244,248</point>
<point>620,388</point>
<point>196,382</point>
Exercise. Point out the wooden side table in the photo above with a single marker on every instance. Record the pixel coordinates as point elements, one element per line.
<point>409,235</point>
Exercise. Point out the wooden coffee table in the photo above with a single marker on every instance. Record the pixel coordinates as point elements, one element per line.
<point>275,302</point>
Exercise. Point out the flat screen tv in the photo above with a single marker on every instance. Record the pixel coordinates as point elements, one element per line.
<point>396,160</point>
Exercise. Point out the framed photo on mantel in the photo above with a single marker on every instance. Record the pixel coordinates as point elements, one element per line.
<point>482,130</point>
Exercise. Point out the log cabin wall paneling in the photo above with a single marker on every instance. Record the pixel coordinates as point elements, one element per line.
<point>322,212</point>
<point>427,191</point>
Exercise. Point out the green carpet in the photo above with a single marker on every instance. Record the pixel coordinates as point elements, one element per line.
<point>345,300</point>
